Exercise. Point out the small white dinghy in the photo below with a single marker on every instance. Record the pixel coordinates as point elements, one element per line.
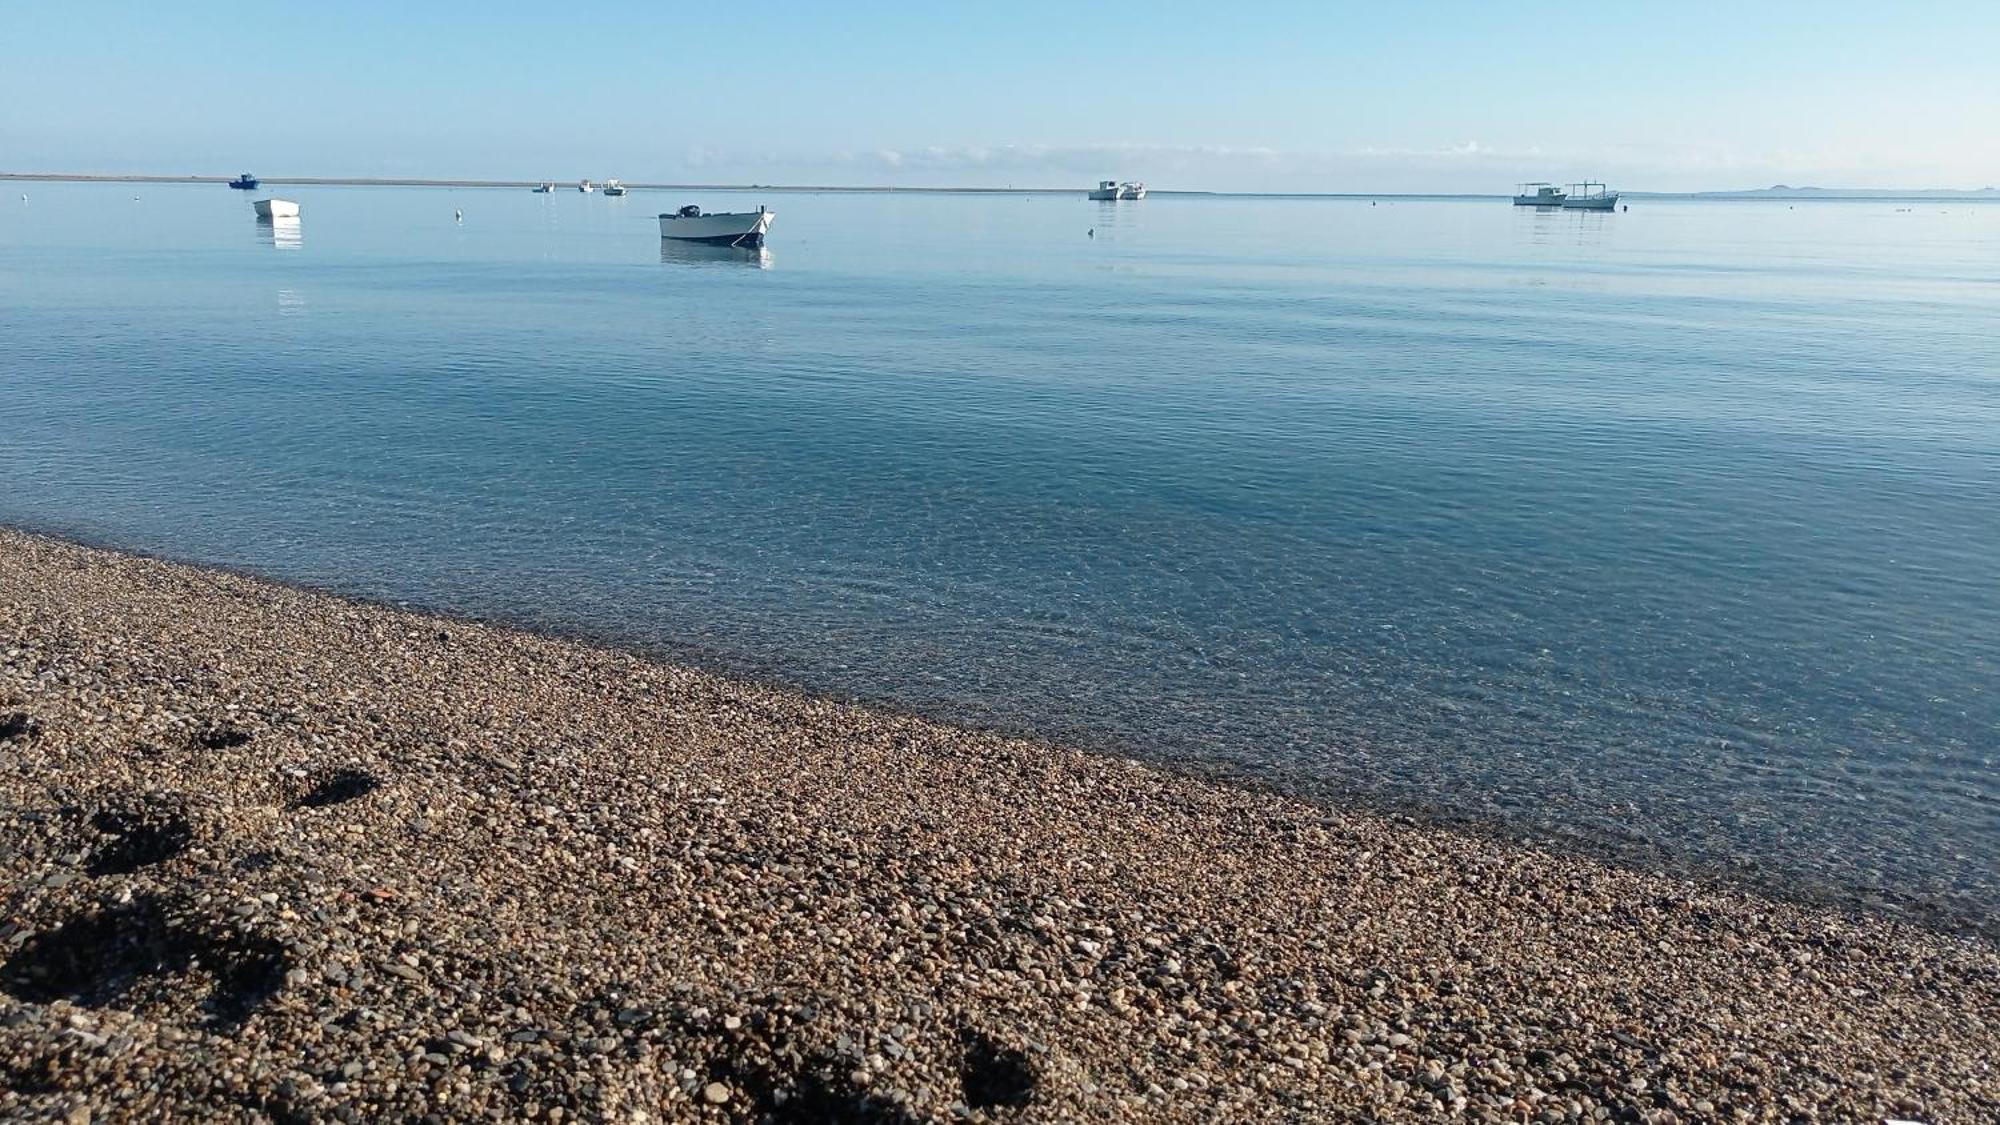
<point>733,228</point>
<point>276,209</point>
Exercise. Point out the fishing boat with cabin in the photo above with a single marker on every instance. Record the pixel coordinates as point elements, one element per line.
<point>1538,193</point>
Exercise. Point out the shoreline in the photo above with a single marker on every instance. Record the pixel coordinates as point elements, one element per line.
<point>1642,855</point>
<point>326,857</point>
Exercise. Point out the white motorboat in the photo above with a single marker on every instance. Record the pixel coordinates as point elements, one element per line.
<point>1590,196</point>
<point>276,209</point>
<point>1108,190</point>
<point>585,186</point>
<point>545,189</point>
<point>613,187</point>
<point>1538,193</point>
<point>1130,190</point>
<point>730,228</point>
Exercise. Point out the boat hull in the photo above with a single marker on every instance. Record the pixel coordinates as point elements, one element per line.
<point>1539,200</point>
<point>276,209</point>
<point>741,228</point>
<point>1591,203</point>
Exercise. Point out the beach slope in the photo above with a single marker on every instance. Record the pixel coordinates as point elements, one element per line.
<point>274,855</point>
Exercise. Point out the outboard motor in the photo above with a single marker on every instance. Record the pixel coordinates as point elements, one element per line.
<point>691,211</point>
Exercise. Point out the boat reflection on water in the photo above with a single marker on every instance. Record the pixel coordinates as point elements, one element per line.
<point>676,252</point>
<point>284,232</point>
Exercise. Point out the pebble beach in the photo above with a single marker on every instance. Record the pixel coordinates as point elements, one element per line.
<point>272,855</point>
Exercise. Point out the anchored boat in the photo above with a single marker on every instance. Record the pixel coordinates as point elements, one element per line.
<point>1107,190</point>
<point>585,186</point>
<point>729,228</point>
<point>276,209</point>
<point>244,182</point>
<point>1590,196</point>
<point>613,187</point>
<point>544,189</point>
<point>1538,193</point>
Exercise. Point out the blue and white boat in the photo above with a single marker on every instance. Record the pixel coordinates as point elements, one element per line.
<point>729,228</point>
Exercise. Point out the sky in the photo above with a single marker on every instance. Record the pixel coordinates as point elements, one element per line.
<point>1244,96</point>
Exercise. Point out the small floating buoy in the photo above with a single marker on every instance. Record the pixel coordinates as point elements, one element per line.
<point>1092,232</point>
<point>457,215</point>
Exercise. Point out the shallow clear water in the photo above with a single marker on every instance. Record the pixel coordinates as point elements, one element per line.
<point>1673,530</point>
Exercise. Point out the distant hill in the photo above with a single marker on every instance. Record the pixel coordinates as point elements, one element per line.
<point>1785,191</point>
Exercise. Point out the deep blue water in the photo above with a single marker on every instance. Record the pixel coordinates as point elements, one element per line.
<point>1675,530</point>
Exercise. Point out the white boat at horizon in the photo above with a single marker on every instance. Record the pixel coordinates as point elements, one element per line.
<point>613,187</point>
<point>1582,198</point>
<point>729,228</point>
<point>276,208</point>
<point>585,186</point>
<point>1107,191</point>
<point>547,188</point>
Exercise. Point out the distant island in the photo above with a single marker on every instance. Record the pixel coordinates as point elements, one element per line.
<point>1785,191</point>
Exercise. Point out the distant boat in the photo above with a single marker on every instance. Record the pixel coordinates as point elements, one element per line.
<point>1107,190</point>
<point>1582,197</point>
<point>276,209</point>
<point>244,182</point>
<point>734,228</point>
<point>613,187</point>
<point>545,189</point>
<point>585,186</point>
<point>1538,193</point>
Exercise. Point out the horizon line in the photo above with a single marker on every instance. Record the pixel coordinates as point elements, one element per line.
<point>1773,191</point>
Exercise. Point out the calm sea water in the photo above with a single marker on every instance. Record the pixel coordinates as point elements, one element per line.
<point>1675,531</point>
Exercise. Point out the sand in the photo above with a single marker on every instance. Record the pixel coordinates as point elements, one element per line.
<point>274,855</point>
